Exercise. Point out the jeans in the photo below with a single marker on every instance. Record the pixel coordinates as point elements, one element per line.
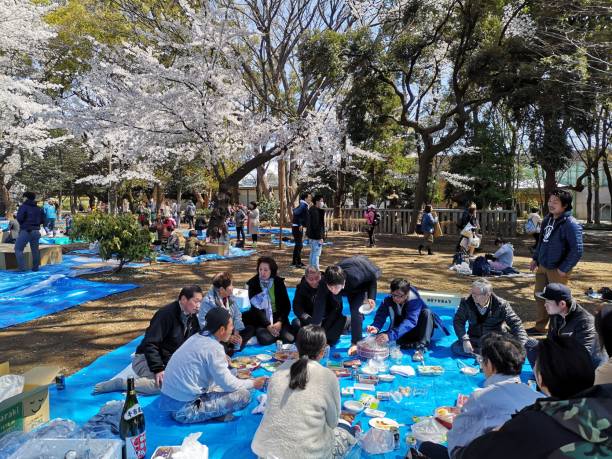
<point>298,236</point>
<point>212,405</point>
<point>371,238</point>
<point>315,253</point>
<point>23,239</point>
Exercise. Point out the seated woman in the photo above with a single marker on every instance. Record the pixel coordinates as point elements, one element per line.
<point>173,244</point>
<point>301,418</point>
<point>572,422</point>
<point>193,246</point>
<point>412,322</point>
<point>221,295</point>
<point>270,305</point>
<point>503,257</point>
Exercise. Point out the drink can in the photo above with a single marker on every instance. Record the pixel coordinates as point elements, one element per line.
<point>396,437</point>
<point>279,345</point>
<point>60,382</point>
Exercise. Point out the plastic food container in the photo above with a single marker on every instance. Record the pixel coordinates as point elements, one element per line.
<point>370,349</point>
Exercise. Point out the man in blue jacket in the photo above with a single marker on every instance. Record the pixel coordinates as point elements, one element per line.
<point>298,223</point>
<point>412,321</point>
<point>30,217</point>
<point>50,215</point>
<point>557,252</point>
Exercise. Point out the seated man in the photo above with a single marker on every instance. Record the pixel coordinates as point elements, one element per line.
<point>193,246</point>
<point>303,301</point>
<point>484,312</point>
<point>503,257</point>
<point>221,296</point>
<point>412,321</point>
<point>168,330</point>
<point>174,242</point>
<point>502,396</point>
<point>567,318</point>
<point>327,311</point>
<point>198,386</point>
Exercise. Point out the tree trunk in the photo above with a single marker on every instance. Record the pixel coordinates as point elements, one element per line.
<point>425,167</point>
<point>6,203</point>
<point>596,203</point>
<point>262,188</point>
<point>341,179</point>
<point>199,199</point>
<point>220,211</point>
<point>589,202</point>
<point>550,182</point>
<point>179,197</point>
<point>606,168</point>
<point>282,174</point>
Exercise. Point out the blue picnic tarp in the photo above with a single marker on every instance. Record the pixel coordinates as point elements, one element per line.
<point>232,440</point>
<point>234,252</point>
<point>25,296</point>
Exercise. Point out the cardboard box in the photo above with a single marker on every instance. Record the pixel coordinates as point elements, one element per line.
<point>49,255</point>
<point>218,249</point>
<point>25,411</point>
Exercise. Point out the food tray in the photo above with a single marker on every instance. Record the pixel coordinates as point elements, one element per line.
<point>369,349</point>
<point>430,370</point>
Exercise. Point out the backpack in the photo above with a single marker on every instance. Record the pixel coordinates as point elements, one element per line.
<point>481,267</point>
<point>458,258</point>
<point>376,218</point>
<point>530,227</point>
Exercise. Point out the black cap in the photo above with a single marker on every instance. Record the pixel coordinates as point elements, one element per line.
<point>215,319</point>
<point>556,292</point>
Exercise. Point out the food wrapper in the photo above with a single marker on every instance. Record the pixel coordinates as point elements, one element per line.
<point>429,430</point>
<point>192,448</point>
<point>377,441</point>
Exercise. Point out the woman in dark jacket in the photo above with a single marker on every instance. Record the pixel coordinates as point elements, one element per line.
<point>573,422</point>
<point>270,305</point>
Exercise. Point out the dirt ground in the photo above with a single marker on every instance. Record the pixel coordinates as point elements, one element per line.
<point>75,337</point>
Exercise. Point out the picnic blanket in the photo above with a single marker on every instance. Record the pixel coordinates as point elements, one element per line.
<point>233,439</point>
<point>234,252</point>
<point>464,270</point>
<point>30,295</point>
<point>58,240</point>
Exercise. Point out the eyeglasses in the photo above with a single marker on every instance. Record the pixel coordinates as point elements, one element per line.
<point>398,295</point>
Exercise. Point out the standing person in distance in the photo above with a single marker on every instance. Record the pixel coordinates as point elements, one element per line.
<point>253,222</point>
<point>190,211</point>
<point>299,221</point>
<point>316,230</point>
<point>428,222</point>
<point>30,217</point>
<point>558,251</point>
<point>239,218</point>
<point>533,225</point>
<point>372,220</point>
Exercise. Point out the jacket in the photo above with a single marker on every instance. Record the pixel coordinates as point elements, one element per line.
<point>361,275</point>
<point>466,218</point>
<point>213,300</point>
<point>578,323</point>
<point>303,300</point>
<point>401,322</point>
<point>499,312</point>
<point>560,243</point>
<point>427,223</point>
<point>300,214</point>
<point>505,254</point>
<point>30,216</point>
<point>240,217</point>
<point>165,334</point>
<point>326,304</point>
<point>281,298</point>
<point>50,211</point>
<point>552,429</point>
<point>316,224</point>
<point>490,407</point>
<point>370,216</point>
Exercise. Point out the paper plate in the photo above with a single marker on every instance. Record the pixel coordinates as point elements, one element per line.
<point>264,357</point>
<point>365,309</point>
<point>383,423</point>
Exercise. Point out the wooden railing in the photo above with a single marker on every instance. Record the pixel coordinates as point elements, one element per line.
<point>397,221</point>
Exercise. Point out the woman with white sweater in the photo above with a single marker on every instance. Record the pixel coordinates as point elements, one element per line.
<point>303,407</point>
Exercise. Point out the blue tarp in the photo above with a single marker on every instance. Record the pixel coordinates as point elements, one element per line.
<point>4,225</point>
<point>234,252</point>
<point>30,295</point>
<point>232,440</point>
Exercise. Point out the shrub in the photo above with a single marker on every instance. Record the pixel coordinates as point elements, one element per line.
<point>268,210</point>
<point>117,235</point>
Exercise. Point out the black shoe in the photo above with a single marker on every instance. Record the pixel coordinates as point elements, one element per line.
<point>420,248</point>
<point>429,252</point>
<point>535,331</point>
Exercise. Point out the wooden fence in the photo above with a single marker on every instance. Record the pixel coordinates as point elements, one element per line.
<point>397,221</point>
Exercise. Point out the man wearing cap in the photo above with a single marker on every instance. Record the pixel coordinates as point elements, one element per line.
<point>30,217</point>
<point>557,252</point>
<point>198,385</point>
<point>567,318</point>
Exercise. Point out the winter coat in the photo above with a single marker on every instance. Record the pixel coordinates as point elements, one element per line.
<point>325,304</point>
<point>165,334</point>
<point>361,275</point>
<point>401,322</point>
<point>30,216</point>
<point>213,300</point>
<point>300,214</point>
<point>578,323</point>
<point>253,222</point>
<point>499,312</point>
<point>316,224</point>
<point>303,300</point>
<point>281,299</point>
<point>50,211</point>
<point>560,243</point>
<point>427,223</point>
<point>370,216</point>
<point>552,429</point>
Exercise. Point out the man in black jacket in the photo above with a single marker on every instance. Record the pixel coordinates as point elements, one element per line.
<point>169,328</point>
<point>30,217</point>
<point>299,221</point>
<point>303,300</point>
<point>316,230</point>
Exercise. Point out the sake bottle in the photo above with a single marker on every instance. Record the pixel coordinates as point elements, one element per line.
<point>132,426</point>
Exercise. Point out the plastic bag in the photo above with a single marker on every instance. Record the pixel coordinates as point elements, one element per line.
<point>429,430</point>
<point>377,441</point>
<point>467,231</point>
<point>192,448</point>
<point>10,385</point>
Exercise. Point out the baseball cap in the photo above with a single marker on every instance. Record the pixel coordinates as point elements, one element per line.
<point>556,292</point>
